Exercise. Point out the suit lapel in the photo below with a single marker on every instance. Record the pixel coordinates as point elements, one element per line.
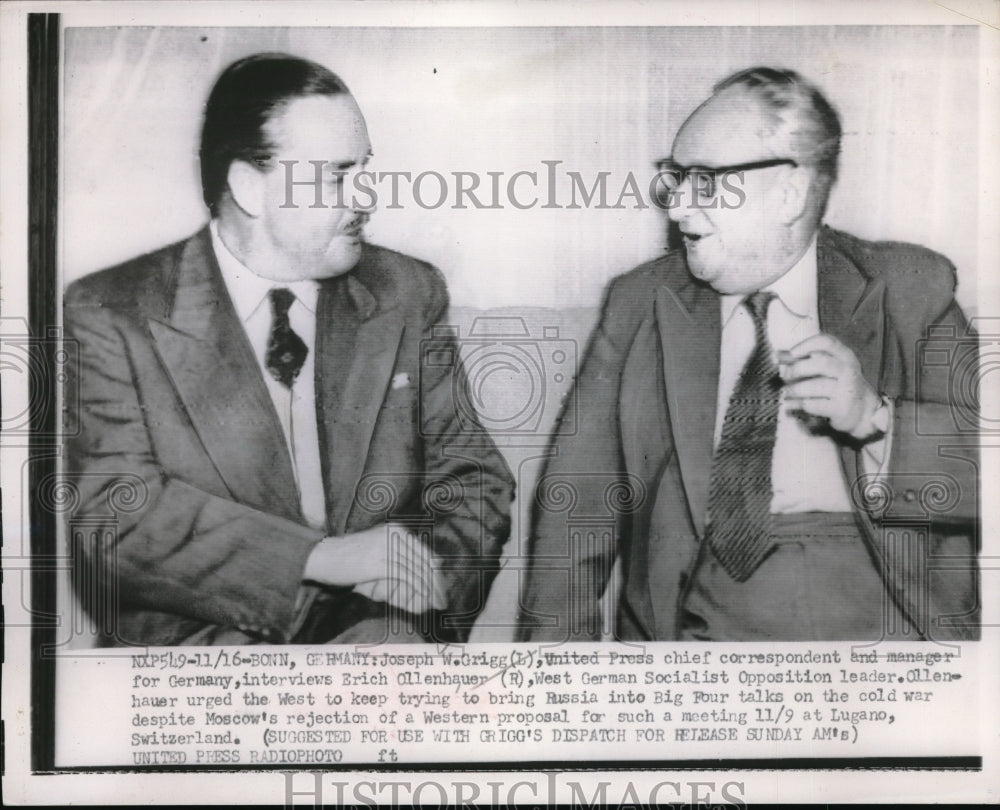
<point>646,448</point>
<point>356,348</point>
<point>688,320</point>
<point>851,309</point>
<point>851,306</point>
<point>642,410</point>
<point>206,352</point>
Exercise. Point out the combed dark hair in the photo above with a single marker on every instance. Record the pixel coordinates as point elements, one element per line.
<point>801,115</point>
<point>245,97</point>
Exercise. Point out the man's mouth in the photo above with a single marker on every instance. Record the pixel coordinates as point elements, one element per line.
<point>355,229</point>
<point>691,236</point>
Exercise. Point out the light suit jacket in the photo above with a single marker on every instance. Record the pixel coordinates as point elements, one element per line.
<point>629,475</point>
<point>188,528</point>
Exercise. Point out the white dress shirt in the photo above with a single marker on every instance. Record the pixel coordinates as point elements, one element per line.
<point>296,407</point>
<point>806,474</point>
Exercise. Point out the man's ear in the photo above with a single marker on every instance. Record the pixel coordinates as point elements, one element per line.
<point>246,186</point>
<point>795,194</point>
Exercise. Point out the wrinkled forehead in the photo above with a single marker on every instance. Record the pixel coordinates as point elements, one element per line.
<point>732,127</point>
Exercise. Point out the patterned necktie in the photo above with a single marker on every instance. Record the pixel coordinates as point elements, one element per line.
<point>286,352</point>
<point>739,504</point>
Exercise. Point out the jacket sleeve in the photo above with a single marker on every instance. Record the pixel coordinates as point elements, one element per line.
<point>934,460</point>
<point>468,487</point>
<point>926,511</point>
<point>569,568</point>
<point>145,540</point>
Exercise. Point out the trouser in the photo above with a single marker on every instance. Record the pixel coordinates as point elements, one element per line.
<point>819,583</point>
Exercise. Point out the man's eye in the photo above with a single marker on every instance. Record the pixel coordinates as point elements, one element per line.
<point>704,183</point>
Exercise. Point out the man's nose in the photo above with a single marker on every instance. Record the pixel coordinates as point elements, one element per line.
<point>681,205</point>
<point>363,200</point>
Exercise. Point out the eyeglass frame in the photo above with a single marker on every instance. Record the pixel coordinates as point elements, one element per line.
<point>666,166</point>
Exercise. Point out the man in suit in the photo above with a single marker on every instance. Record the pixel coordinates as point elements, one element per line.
<point>266,453</point>
<point>770,441</point>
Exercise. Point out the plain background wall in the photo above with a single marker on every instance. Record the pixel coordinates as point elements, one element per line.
<point>504,100</point>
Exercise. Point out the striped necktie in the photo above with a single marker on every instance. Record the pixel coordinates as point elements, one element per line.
<point>739,505</point>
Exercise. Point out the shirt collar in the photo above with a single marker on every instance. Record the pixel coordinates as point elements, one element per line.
<point>796,289</point>
<point>247,290</point>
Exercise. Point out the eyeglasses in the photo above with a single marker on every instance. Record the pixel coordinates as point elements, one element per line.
<point>705,179</point>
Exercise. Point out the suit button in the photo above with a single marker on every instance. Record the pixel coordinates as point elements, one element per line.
<point>909,496</point>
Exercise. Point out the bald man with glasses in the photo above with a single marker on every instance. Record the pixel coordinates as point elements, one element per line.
<point>762,413</point>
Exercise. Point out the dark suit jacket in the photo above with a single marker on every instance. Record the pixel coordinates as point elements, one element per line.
<point>189,527</point>
<point>629,474</point>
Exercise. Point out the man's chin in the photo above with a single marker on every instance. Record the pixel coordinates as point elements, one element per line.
<point>700,271</point>
<point>342,258</point>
